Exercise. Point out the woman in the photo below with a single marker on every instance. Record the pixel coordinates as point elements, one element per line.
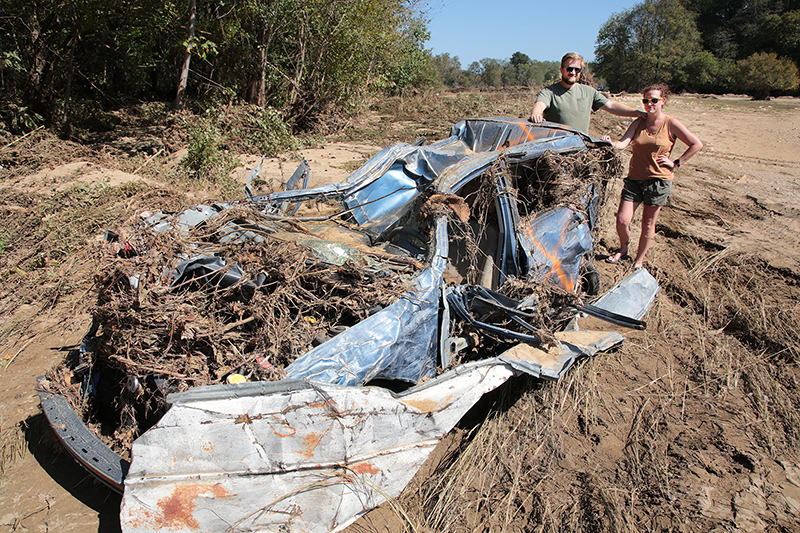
<point>650,171</point>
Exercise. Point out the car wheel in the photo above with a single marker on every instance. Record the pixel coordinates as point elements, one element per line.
<point>589,279</point>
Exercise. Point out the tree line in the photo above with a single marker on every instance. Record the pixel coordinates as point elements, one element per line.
<point>710,46</point>
<point>301,57</point>
<point>519,70</point>
<point>305,59</point>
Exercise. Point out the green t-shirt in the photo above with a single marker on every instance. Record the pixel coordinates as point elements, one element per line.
<point>572,106</point>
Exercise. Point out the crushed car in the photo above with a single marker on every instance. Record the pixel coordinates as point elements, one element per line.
<point>287,362</point>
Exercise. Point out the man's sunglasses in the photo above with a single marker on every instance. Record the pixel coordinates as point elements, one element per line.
<point>577,70</point>
<point>651,100</point>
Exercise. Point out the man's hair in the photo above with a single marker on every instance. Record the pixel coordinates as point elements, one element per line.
<point>572,56</point>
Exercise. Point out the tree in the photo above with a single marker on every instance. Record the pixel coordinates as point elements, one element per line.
<point>70,50</point>
<point>491,72</point>
<point>703,72</point>
<point>763,74</point>
<point>730,28</point>
<point>302,57</point>
<point>780,33</point>
<point>519,59</point>
<point>184,74</point>
<point>646,44</point>
<point>448,70</point>
<point>411,65</point>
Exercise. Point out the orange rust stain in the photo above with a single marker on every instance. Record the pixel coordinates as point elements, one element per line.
<point>137,518</point>
<point>365,468</point>
<point>177,510</point>
<point>285,430</point>
<point>207,447</point>
<point>424,406</point>
<point>315,405</point>
<point>311,441</point>
<point>246,419</point>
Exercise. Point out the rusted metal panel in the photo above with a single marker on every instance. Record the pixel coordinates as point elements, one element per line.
<point>290,455</point>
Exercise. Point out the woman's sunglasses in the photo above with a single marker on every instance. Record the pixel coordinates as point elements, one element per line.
<point>651,100</point>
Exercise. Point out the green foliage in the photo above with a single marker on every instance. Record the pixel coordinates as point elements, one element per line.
<point>219,133</point>
<point>448,70</point>
<point>763,74</point>
<point>206,158</point>
<point>20,119</point>
<point>491,72</point>
<point>305,58</point>
<point>520,71</point>
<point>694,45</point>
<point>411,65</point>
<point>258,130</point>
<point>646,44</point>
<point>734,29</point>
<point>702,72</point>
<point>11,67</point>
<point>780,33</point>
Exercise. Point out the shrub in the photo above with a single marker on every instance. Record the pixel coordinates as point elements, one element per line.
<point>763,74</point>
<point>205,158</point>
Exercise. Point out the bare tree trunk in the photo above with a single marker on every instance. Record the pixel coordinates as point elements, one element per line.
<point>184,77</point>
<point>66,129</point>
<point>262,82</point>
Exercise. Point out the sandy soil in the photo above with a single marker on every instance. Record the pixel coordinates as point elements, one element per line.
<point>740,193</point>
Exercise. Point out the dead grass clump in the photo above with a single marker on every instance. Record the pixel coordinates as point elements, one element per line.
<point>740,298</point>
<point>12,446</point>
<point>432,113</point>
<point>40,148</point>
<point>740,295</point>
<point>516,473</point>
<point>46,245</point>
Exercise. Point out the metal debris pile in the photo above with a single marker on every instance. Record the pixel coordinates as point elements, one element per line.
<point>161,325</point>
<point>241,292</point>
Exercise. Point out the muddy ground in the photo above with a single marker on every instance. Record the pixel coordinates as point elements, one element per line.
<point>691,426</point>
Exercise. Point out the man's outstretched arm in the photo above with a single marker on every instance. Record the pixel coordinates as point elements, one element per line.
<point>621,110</point>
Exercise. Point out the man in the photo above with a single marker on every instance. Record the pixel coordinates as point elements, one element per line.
<point>571,103</point>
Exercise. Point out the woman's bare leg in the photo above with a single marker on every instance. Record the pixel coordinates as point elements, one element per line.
<point>624,217</point>
<point>649,217</point>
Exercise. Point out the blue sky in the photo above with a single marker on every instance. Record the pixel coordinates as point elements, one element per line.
<point>544,30</point>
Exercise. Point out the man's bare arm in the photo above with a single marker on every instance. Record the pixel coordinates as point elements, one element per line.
<point>621,110</point>
<point>537,112</point>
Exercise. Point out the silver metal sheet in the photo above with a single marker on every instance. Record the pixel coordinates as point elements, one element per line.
<point>632,296</point>
<point>290,456</point>
<point>554,242</point>
<point>399,342</point>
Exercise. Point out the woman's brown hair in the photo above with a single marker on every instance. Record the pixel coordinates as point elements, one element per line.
<point>663,87</point>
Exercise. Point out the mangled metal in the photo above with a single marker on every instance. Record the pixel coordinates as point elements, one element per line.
<point>317,449</point>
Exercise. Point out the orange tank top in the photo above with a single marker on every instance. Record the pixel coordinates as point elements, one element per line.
<point>646,149</point>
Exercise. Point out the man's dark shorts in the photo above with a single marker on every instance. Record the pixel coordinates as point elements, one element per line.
<point>654,192</point>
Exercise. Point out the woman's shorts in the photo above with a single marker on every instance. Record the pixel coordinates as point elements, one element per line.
<point>654,192</point>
